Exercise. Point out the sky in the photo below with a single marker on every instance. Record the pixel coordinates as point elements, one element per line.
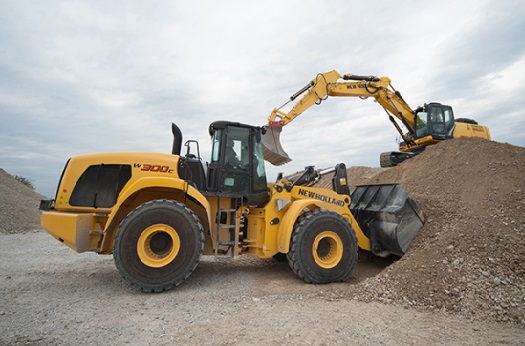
<point>81,77</point>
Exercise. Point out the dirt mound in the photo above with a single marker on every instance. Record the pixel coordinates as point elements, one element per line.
<point>468,258</point>
<point>18,206</point>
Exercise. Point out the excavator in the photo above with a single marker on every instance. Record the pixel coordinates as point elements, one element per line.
<point>426,125</point>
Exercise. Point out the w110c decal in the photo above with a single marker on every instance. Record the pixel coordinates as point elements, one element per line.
<point>153,168</point>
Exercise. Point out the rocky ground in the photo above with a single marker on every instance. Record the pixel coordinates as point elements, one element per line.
<point>461,282</point>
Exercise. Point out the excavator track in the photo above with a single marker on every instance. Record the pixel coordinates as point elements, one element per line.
<point>394,158</point>
<point>385,159</point>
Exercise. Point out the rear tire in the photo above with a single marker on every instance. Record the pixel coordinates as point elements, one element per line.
<point>158,245</point>
<point>323,247</point>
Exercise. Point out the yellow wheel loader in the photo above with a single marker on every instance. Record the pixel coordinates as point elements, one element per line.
<point>426,125</point>
<point>159,213</point>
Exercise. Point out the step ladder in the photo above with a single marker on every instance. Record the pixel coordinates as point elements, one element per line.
<point>231,242</point>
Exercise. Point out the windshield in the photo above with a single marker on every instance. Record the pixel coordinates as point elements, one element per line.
<point>237,149</point>
<point>421,125</point>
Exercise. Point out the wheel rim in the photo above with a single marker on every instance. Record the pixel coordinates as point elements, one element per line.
<point>158,245</point>
<point>327,249</point>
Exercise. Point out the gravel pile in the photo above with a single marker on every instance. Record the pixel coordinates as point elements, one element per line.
<point>469,256</point>
<point>18,206</point>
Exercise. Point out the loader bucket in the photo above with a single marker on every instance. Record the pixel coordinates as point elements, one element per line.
<point>387,216</point>
<point>272,150</point>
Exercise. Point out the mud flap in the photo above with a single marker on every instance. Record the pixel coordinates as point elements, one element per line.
<point>387,216</point>
<point>272,150</point>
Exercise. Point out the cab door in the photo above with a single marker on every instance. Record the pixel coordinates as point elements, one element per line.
<point>237,164</point>
<point>440,120</point>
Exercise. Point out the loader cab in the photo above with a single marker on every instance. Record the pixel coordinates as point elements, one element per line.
<point>237,168</point>
<point>434,119</point>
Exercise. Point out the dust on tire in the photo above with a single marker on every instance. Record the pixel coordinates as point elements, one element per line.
<point>189,230</point>
<point>301,256</point>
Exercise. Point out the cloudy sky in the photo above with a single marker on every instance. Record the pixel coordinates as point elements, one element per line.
<point>91,76</point>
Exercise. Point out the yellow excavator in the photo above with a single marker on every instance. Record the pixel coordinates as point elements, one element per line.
<point>426,125</point>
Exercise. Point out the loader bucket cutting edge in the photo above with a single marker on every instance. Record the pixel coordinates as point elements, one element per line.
<point>387,216</point>
<point>272,150</point>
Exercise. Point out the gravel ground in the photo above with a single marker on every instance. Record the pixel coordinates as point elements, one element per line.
<point>51,295</point>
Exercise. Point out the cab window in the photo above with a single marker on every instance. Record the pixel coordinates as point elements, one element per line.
<point>216,141</point>
<point>237,147</point>
<point>449,119</point>
<point>437,120</point>
<point>421,125</point>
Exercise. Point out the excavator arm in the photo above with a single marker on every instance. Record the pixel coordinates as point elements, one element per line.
<point>330,84</point>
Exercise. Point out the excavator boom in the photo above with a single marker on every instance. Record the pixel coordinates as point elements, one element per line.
<point>427,125</point>
<point>330,84</point>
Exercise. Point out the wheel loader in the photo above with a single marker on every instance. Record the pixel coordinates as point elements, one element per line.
<point>426,125</point>
<point>157,214</point>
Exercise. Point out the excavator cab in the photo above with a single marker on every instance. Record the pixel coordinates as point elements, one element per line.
<point>237,168</point>
<point>434,119</point>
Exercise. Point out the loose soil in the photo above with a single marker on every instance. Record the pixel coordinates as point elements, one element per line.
<point>462,280</point>
<point>18,205</point>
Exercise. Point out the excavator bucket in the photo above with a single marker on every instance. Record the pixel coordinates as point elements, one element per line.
<point>272,149</point>
<point>387,216</point>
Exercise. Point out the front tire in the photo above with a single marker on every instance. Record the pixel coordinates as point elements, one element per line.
<point>158,245</point>
<point>323,247</point>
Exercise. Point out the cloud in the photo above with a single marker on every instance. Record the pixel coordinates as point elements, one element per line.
<point>79,77</point>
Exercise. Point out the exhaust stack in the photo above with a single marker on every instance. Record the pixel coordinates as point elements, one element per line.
<point>177,139</point>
